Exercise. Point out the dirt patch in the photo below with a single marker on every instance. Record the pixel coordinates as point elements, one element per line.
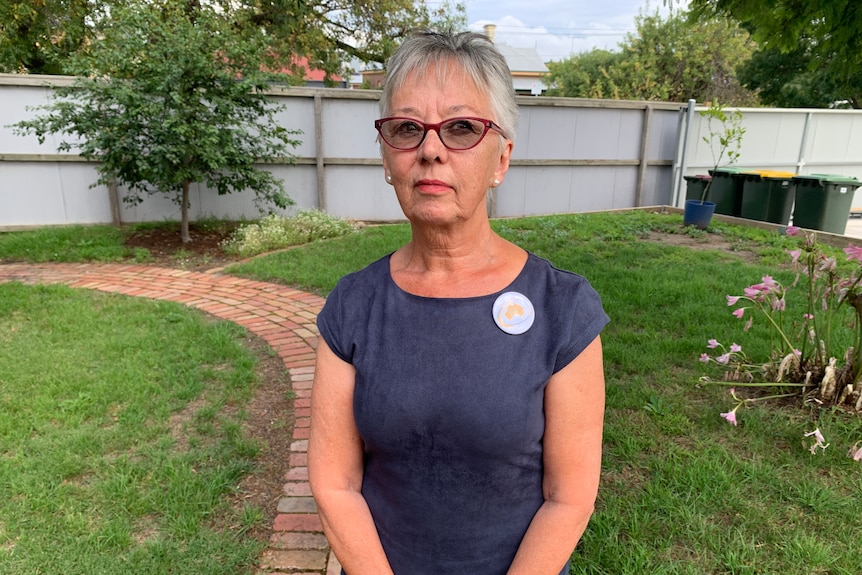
<point>706,241</point>
<point>166,248</point>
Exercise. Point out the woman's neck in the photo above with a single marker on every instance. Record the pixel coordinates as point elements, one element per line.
<point>436,264</point>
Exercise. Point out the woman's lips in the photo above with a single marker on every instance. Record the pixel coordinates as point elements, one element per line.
<point>433,186</point>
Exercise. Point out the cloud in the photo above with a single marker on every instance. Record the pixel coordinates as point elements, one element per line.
<point>568,27</point>
<point>557,43</point>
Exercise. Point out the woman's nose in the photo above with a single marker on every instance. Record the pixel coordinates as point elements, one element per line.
<point>432,146</point>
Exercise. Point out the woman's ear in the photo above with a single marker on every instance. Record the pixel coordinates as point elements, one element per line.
<point>503,164</point>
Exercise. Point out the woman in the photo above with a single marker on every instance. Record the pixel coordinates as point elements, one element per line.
<point>458,397</point>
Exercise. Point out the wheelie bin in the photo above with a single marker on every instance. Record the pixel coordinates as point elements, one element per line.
<point>695,185</point>
<point>823,201</point>
<point>726,190</point>
<point>767,196</point>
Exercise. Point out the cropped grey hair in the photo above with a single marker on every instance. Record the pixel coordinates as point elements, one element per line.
<point>474,52</point>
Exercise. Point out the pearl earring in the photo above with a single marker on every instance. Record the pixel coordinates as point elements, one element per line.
<point>388,179</point>
<point>496,183</point>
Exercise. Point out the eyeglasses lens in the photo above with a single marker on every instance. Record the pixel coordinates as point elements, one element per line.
<point>456,134</point>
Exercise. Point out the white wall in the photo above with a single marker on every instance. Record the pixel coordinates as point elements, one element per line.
<point>571,155</point>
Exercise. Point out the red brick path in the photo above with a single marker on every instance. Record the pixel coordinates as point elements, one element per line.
<point>282,316</point>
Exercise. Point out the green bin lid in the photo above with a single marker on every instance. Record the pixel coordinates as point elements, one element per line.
<point>837,179</point>
<point>727,170</point>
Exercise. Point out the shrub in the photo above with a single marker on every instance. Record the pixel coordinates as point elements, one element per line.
<point>273,232</point>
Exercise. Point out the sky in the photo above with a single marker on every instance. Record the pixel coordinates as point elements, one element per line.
<point>558,29</point>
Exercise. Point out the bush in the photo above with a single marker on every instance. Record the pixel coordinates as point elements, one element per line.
<point>273,232</point>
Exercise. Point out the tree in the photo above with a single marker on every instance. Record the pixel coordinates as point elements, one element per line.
<point>788,80</point>
<point>665,59</point>
<point>176,98</point>
<point>584,75</point>
<point>676,60</point>
<point>333,32</point>
<point>824,32</point>
<point>38,36</point>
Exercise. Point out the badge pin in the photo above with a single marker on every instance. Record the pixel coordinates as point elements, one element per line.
<point>514,313</point>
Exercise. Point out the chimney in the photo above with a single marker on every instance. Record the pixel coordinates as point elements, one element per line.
<point>489,31</point>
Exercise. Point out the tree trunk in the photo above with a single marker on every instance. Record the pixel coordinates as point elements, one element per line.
<point>184,222</point>
<point>114,201</point>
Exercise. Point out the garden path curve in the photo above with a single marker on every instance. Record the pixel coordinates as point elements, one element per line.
<point>285,319</point>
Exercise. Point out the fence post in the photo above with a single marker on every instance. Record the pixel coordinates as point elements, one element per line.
<point>318,151</point>
<point>644,163</point>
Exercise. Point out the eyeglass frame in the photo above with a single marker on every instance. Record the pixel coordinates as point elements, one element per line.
<point>489,125</point>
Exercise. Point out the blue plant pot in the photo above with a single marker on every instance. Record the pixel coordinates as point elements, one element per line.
<point>698,213</point>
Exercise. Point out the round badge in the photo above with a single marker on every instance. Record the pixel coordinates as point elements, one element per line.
<point>514,313</point>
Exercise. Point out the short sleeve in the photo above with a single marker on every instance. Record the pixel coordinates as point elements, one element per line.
<point>582,317</point>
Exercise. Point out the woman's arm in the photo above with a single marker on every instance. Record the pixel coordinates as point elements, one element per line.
<point>335,469</point>
<point>572,452</point>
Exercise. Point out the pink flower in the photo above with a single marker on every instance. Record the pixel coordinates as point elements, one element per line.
<point>739,312</point>
<point>797,353</point>
<point>791,230</point>
<point>828,265</point>
<point>704,358</point>
<point>778,304</point>
<point>723,359</point>
<point>795,255</point>
<point>855,452</point>
<point>735,348</point>
<point>853,253</point>
<point>712,344</point>
<point>748,324</point>
<point>730,416</point>
<point>818,441</point>
<point>807,316</point>
<point>732,299</point>
<point>752,291</point>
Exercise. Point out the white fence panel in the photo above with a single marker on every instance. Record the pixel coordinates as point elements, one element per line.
<point>794,140</point>
<point>570,155</point>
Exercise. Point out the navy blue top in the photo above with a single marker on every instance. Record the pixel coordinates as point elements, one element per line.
<point>450,410</point>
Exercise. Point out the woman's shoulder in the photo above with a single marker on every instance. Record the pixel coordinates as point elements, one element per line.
<point>370,276</point>
<point>542,270</point>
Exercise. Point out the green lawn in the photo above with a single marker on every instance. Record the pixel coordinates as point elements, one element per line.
<point>120,436</point>
<point>683,491</point>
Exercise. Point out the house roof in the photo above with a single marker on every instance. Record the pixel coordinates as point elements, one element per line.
<point>522,59</point>
<point>309,74</point>
<point>312,74</point>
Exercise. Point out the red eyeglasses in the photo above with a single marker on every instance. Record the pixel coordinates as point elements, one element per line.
<point>455,133</point>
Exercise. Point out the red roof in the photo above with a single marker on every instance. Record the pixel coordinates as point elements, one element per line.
<point>312,74</point>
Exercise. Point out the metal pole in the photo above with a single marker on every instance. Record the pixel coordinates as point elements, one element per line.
<point>689,115</point>
<point>801,162</point>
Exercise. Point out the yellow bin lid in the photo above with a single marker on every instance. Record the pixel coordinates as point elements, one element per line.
<point>776,175</point>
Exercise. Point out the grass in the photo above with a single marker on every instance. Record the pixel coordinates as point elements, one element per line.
<point>68,243</point>
<point>120,436</point>
<point>682,492</point>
